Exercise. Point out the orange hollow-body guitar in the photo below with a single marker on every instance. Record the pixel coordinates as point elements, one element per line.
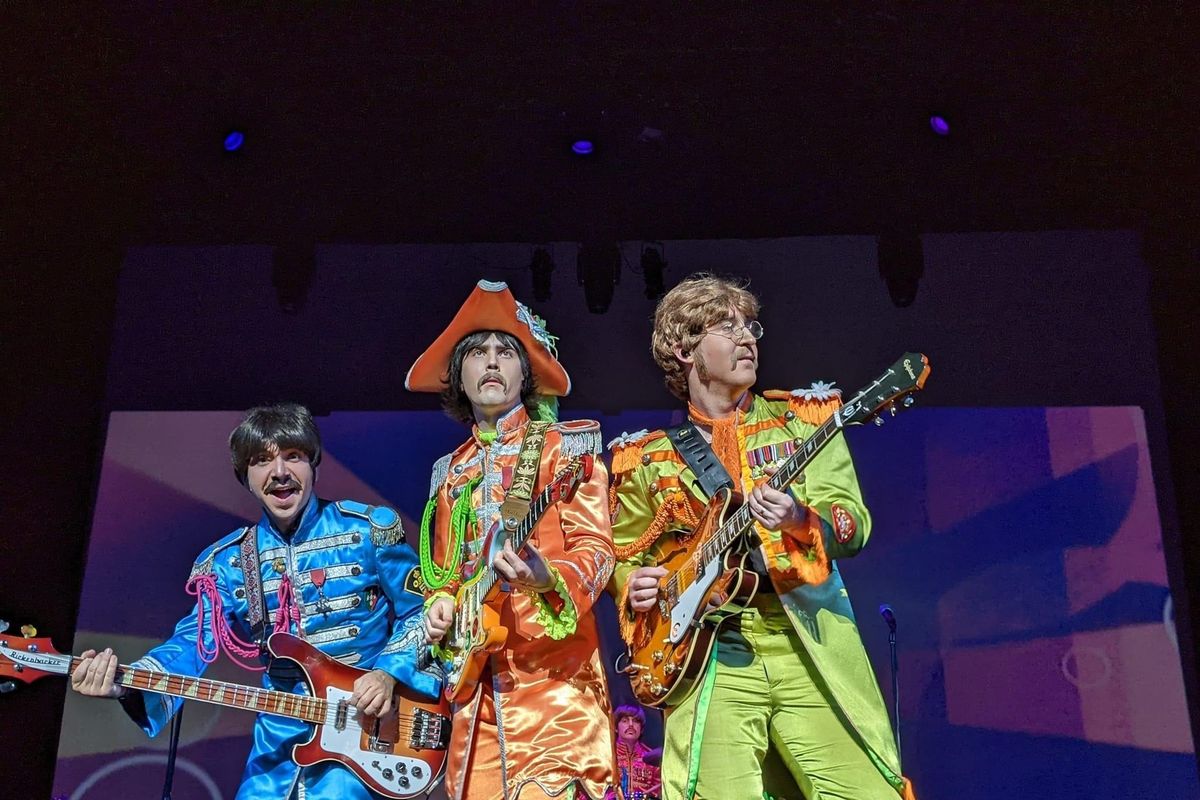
<point>675,637</point>
<point>400,755</point>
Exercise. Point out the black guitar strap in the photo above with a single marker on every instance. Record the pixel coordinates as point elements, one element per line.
<point>700,458</point>
<point>712,476</point>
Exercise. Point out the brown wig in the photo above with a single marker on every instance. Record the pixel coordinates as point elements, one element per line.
<point>454,398</point>
<point>283,426</point>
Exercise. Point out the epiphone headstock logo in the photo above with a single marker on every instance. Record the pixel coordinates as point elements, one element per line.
<point>909,369</point>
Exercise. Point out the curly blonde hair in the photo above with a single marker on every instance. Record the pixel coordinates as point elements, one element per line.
<point>686,312</point>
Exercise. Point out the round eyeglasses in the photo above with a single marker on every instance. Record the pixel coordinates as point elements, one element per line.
<point>733,331</point>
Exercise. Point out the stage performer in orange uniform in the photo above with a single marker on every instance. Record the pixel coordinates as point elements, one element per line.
<point>537,724</point>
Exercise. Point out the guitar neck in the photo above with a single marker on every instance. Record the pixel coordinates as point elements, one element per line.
<point>230,695</point>
<point>521,535</point>
<point>788,472</point>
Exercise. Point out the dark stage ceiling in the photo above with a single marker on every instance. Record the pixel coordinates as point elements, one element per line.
<point>393,122</point>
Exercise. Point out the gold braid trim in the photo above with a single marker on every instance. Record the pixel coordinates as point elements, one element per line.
<point>674,508</point>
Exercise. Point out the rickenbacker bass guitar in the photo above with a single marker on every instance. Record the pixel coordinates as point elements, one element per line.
<point>677,634</point>
<point>476,632</point>
<point>400,755</point>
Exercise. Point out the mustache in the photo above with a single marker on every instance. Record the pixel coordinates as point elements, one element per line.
<point>486,378</point>
<point>738,356</point>
<point>275,485</point>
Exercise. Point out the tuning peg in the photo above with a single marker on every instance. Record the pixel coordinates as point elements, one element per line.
<point>892,408</point>
<point>28,631</point>
<point>879,422</point>
<point>3,625</point>
<point>909,401</point>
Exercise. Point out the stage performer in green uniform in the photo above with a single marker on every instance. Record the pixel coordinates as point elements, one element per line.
<point>789,706</point>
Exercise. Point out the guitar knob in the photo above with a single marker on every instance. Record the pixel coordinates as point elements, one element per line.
<point>388,774</point>
<point>403,782</point>
<point>417,772</point>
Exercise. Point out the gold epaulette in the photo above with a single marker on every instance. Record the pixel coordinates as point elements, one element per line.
<point>811,406</point>
<point>627,449</point>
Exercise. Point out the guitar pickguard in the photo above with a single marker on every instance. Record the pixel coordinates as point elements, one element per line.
<point>345,735</point>
<point>692,602</point>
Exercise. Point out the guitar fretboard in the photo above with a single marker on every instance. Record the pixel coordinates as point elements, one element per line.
<point>741,520</point>
<point>233,695</point>
<point>525,527</point>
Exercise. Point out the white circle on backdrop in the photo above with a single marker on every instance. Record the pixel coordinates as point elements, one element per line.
<point>141,760</point>
<point>1082,677</point>
<point>1169,621</point>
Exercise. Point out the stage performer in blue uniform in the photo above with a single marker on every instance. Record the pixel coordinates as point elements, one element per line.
<point>339,575</point>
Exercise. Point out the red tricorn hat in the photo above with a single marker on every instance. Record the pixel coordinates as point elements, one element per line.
<point>491,307</point>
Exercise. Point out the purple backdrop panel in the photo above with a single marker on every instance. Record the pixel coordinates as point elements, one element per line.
<point>1021,549</point>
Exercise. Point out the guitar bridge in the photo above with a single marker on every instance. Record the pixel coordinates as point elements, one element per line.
<point>429,731</point>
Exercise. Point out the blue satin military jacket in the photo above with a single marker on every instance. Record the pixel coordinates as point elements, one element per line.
<point>355,582</point>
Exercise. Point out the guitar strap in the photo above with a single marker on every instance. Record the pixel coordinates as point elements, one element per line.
<point>256,615</point>
<point>700,458</point>
<point>712,476</point>
<point>283,673</point>
<point>529,459</point>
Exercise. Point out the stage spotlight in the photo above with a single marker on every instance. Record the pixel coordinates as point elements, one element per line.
<point>939,125</point>
<point>598,268</point>
<point>901,264</point>
<point>292,274</point>
<point>654,264</point>
<point>541,266</point>
<point>234,141</point>
<point>582,147</point>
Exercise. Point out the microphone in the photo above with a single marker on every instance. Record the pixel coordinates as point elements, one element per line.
<point>889,616</point>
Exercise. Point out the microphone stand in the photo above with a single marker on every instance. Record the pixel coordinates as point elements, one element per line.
<point>176,724</point>
<point>895,690</point>
<point>889,616</point>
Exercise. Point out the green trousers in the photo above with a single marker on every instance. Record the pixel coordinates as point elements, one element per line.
<point>766,724</point>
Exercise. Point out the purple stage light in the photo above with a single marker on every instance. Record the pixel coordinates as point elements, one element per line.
<point>234,140</point>
<point>939,125</point>
<point>582,147</point>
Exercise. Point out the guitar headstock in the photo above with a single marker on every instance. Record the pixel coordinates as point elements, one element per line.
<point>19,653</point>
<point>568,479</point>
<point>889,392</point>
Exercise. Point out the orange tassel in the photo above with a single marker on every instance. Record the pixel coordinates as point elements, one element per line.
<point>633,631</point>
